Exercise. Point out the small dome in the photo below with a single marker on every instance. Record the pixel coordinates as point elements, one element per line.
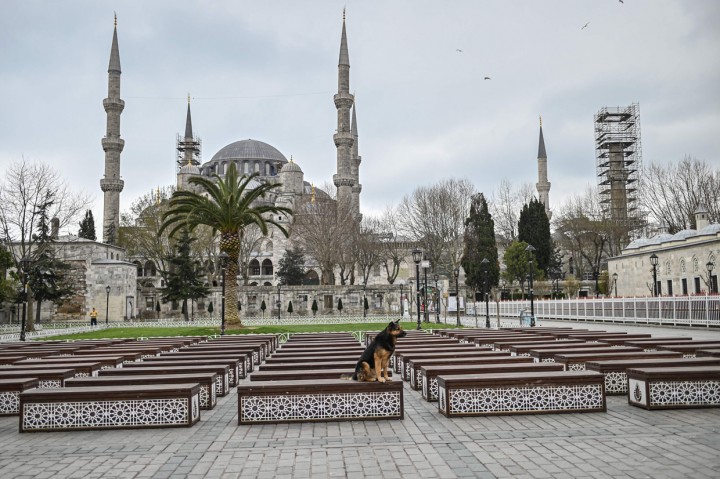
<point>684,234</point>
<point>291,167</point>
<point>638,243</point>
<point>710,229</point>
<point>189,169</point>
<point>661,238</point>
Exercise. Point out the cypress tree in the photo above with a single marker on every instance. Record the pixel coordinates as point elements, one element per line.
<point>182,278</point>
<point>87,227</point>
<point>534,229</point>
<point>479,243</point>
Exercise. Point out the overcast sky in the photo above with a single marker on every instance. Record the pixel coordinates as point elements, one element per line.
<point>267,70</point>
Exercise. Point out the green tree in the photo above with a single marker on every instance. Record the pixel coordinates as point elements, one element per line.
<point>366,306</point>
<point>517,264</point>
<point>7,286</point>
<point>534,229</point>
<point>314,307</point>
<point>291,267</point>
<point>210,309</point>
<point>182,281</point>
<point>87,227</point>
<point>263,307</point>
<point>290,307</point>
<point>479,239</point>
<point>49,277</point>
<point>227,205</point>
<point>157,309</point>
<point>340,306</point>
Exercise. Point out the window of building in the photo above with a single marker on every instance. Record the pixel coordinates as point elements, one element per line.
<point>667,267</point>
<point>669,287</point>
<point>683,266</point>
<point>684,287</point>
<point>149,303</point>
<point>328,301</point>
<point>697,285</point>
<point>696,265</point>
<point>267,267</point>
<point>254,268</point>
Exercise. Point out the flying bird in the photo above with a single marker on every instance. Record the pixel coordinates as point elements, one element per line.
<point>621,1</point>
<point>486,78</point>
<point>458,50</point>
<point>585,26</point>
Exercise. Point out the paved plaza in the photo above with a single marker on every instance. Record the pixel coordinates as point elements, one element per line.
<point>623,442</point>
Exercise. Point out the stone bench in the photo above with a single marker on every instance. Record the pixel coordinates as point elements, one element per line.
<point>318,400</point>
<point>416,364</point>
<point>48,378</point>
<point>674,388</point>
<point>548,355</point>
<point>521,393</point>
<point>109,407</point>
<point>689,348</point>
<point>236,364</point>
<point>309,366</point>
<point>106,362</point>
<point>222,384</point>
<point>277,358</point>
<point>207,381</point>
<point>576,362</point>
<point>404,360</point>
<point>10,390</point>
<point>81,368</point>
<point>647,344</point>
<point>397,359</point>
<point>429,373</point>
<point>294,375</point>
<point>259,350</point>
<point>523,349</point>
<point>245,355</point>
<point>710,352</point>
<point>615,370</point>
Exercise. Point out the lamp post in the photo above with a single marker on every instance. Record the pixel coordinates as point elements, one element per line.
<point>107,303</point>
<point>279,303</point>
<point>223,266</point>
<point>456,273</point>
<point>530,249</point>
<point>437,299</point>
<point>485,262</point>
<point>711,285</point>
<point>402,303</point>
<point>615,276</point>
<point>363,305</point>
<point>410,296</point>
<point>596,275</point>
<point>25,263</point>
<point>654,263</point>
<point>426,265</point>
<point>417,257</point>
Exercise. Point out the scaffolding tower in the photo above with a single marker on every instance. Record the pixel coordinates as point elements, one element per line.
<point>619,155</point>
<point>188,151</point>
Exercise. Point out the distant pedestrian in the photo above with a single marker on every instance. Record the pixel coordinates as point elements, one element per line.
<point>93,317</point>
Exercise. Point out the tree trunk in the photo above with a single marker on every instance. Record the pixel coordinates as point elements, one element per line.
<point>37,312</point>
<point>230,244</point>
<point>30,320</point>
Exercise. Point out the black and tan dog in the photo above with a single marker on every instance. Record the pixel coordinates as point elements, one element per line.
<point>373,364</point>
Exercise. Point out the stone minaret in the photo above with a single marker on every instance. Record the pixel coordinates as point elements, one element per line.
<point>543,185</point>
<point>355,166</point>
<point>343,180</point>
<point>188,146</point>
<point>111,184</point>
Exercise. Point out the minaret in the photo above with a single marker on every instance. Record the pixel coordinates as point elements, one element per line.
<point>111,184</point>
<point>343,137</point>
<point>355,166</point>
<point>188,146</point>
<point>543,185</point>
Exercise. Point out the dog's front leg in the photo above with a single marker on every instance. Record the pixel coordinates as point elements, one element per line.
<point>378,368</point>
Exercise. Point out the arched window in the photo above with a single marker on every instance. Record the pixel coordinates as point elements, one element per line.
<point>267,283</point>
<point>139,267</point>
<point>150,269</point>
<point>696,265</point>
<point>254,283</point>
<point>257,167</point>
<point>267,169</point>
<point>667,267</point>
<point>683,266</point>
<point>311,278</point>
<point>267,267</point>
<point>254,268</point>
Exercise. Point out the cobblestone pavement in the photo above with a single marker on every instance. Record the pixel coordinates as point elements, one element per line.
<point>623,442</point>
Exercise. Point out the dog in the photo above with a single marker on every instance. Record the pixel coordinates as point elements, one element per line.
<point>373,364</point>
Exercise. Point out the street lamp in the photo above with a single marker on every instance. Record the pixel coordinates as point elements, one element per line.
<point>485,262</point>
<point>417,257</point>
<point>223,266</point>
<point>615,276</point>
<point>710,267</point>
<point>25,263</point>
<point>437,300</point>
<point>279,303</point>
<point>107,303</point>
<point>402,303</point>
<point>530,249</point>
<point>596,275</point>
<point>456,273</point>
<point>654,263</point>
<point>364,300</point>
<point>425,265</point>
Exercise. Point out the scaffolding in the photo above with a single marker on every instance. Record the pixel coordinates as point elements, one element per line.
<point>619,154</point>
<point>188,151</point>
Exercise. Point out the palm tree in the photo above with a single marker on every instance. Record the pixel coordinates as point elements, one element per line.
<point>226,205</point>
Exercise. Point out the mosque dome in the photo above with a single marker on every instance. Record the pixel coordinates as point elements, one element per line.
<point>189,169</point>
<point>249,150</point>
<point>291,167</point>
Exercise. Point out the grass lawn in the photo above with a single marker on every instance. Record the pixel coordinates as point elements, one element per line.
<point>150,332</point>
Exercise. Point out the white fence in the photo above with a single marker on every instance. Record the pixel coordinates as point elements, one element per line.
<point>698,311</point>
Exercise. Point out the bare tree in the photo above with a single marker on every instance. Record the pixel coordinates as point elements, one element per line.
<point>250,242</point>
<point>325,233</point>
<point>23,192</point>
<point>505,205</point>
<point>368,250</point>
<point>394,246</point>
<point>435,217</point>
<point>672,193</point>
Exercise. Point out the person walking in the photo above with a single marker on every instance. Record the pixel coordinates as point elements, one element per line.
<point>93,317</point>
